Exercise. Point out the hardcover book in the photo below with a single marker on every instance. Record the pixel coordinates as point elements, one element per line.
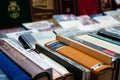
<point>50,63</point>
<point>90,51</point>
<point>67,7</point>
<point>21,58</point>
<point>99,69</point>
<point>29,39</point>
<point>13,71</point>
<point>14,12</point>
<point>44,25</point>
<point>88,7</point>
<point>79,71</point>
<point>42,9</point>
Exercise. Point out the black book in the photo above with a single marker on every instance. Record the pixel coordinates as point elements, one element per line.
<point>109,34</point>
<point>14,12</point>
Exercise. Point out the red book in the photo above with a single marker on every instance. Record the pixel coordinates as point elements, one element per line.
<point>88,7</point>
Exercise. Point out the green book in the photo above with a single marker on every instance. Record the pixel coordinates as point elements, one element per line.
<point>104,38</point>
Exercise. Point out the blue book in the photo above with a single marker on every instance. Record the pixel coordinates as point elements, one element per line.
<point>3,76</point>
<point>13,71</point>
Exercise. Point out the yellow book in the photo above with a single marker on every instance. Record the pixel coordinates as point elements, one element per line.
<point>100,71</point>
<point>86,49</point>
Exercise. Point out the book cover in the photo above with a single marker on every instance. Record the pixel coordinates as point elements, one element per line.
<point>97,67</point>
<point>67,7</point>
<point>86,7</point>
<point>44,25</point>
<point>42,9</point>
<point>79,71</point>
<point>19,56</point>
<point>13,71</point>
<point>14,12</point>
<point>66,20</point>
<point>112,34</point>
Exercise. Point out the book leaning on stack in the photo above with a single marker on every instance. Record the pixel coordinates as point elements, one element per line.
<point>99,70</point>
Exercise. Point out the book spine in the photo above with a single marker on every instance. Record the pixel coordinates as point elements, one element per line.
<point>42,10</point>
<point>90,51</point>
<point>3,76</point>
<point>105,39</point>
<point>68,7</point>
<point>79,71</point>
<point>109,34</point>
<point>97,67</point>
<point>35,71</point>
<point>42,60</point>
<point>109,52</point>
<point>13,71</point>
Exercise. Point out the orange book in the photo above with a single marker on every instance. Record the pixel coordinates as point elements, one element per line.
<point>100,70</point>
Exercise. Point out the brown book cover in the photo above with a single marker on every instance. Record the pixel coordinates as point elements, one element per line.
<point>100,70</point>
<point>41,9</point>
<point>35,71</point>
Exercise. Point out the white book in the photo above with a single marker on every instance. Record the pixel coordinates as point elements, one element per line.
<point>88,24</point>
<point>107,20</point>
<point>53,64</point>
<point>55,74</point>
<point>43,37</point>
<point>101,43</point>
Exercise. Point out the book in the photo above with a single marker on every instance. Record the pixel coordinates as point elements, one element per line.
<point>67,7</point>
<point>79,71</point>
<point>104,38</point>
<point>86,7</point>
<point>102,43</point>
<point>88,50</point>
<point>107,20</point>
<point>109,34</point>
<point>3,76</point>
<point>21,58</point>
<point>88,24</point>
<point>68,32</point>
<point>13,71</point>
<point>44,25</point>
<point>115,56</point>
<point>64,73</point>
<point>29,39</point>
<point>66,20</point>
<point>14,17</point>
<point>99,69</point>
<point>42,10</point>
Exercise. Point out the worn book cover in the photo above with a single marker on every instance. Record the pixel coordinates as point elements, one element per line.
<point>14,12</point>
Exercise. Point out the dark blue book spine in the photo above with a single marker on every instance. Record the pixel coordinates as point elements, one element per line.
<point>3,76</point>
<point>13,71</point>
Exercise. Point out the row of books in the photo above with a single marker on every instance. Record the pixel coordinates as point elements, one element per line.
<point>44,54</point>
<point>84,23</point>
<point>83,59</point>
